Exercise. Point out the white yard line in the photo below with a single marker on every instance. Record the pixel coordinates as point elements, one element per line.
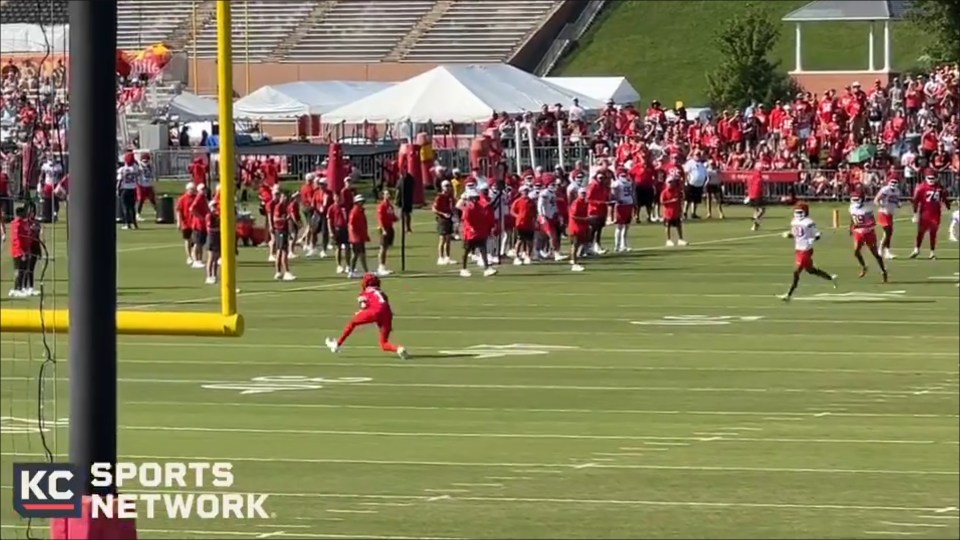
<point>545,367</point>
<point>680,389</point>
<point>543,468</point>
<point>921,525</point>
<point>887,533</point>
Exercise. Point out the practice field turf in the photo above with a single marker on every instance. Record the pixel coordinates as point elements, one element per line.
<point>662,394</point>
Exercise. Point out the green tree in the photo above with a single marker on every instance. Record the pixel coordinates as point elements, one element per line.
<point>746,72</point>
<point>941,20</point>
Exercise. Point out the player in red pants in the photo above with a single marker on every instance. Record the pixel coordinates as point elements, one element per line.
<point>374,309</point>
<point>928,201</point>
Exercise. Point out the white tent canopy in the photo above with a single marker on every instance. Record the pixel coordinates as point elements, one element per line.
<point>190,107</point>
<point>459,94</point>
<point>618,89</point>
<point>292,100</point>
<point>33,38</point>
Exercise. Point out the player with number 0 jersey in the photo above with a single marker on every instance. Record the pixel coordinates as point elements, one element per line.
<point>804,232</point>
<point>863,225</point>
<point>374,309</point>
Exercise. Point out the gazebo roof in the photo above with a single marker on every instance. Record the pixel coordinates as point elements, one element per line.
<point>846,10</point>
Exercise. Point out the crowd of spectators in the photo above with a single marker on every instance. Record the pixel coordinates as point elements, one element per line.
<point>857,135</point>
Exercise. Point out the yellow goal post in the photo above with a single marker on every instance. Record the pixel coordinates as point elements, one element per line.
<point>228,322</point>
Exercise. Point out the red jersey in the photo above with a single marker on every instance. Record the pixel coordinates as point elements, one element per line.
<point>20,237</point>
<point>293,212</point>
<point>271,173</point>
<point>184,205</point>
<point>337,215</point>
<point>346,197</point>
<point>579,212</point>
<point>357,226</point>
<point>306,193</point>
<point>524,209</point>
<point>198,172</point>
<point>213,222</point>
<point>386,217</point>
<point>322,199</point>
<point>672,201</point>
<point>474,220</point>
<point>928,200</point>
<point>4,184</point>
<point>755,186</point>
<point>278,214</point>
<point>443,204</point>
<point>598,195</point>
<point>373,300</point>
<point>199,208</point>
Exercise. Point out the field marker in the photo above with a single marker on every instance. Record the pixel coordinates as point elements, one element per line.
<point>928,525</point>
<point>472,484</point>
<point>655,443</point>
<point>333,511</point>
<point>710,439</point>
<point>537,471</point>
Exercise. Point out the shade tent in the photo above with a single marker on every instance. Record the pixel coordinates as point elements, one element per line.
<point>190,107</point>
<point>618,89</point>
<point>296,99</point>
<point>459,94</point>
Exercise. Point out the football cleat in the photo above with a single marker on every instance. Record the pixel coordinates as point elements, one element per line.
<point>332,345</point>
<point>833,280</point>
<point>465,273</point>
<point>863,272</point>
<point>784,297</point>
<point>402,353</point>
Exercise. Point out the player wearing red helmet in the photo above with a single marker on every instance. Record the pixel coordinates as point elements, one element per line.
<point>374,309</point>
<point>929,199</point>
<point>862,228</point>
<point>804,232</point>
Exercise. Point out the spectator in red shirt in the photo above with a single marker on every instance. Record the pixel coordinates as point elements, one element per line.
<point>359,236</point>
<point>386,217</point>
<point>185,221</point>
<point>20,239</point>
<point>199,208</point>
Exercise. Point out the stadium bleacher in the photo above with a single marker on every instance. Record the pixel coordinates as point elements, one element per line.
<point>32,12</point>
<point>259,26</point>
<point>141,23</point>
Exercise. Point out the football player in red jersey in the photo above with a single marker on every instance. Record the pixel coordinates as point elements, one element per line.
<point>863,225</point>
<point>928,201</point>
<point>374,309</point>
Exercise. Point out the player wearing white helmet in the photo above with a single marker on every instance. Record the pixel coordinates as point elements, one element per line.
<point>804,232</point>
<point>887,201</point>
<point>862,228</point>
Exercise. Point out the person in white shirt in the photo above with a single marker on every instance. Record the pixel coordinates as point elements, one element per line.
<point>696,175</point>
<point>128,178</point>
<point>51,173</point>
<point>576,113</point>
<point>714,190</point>
<point>887,201</point>
<point>549,221</point>
<point>908,160</point>
<point>804,232</point>
<point>622,193</point>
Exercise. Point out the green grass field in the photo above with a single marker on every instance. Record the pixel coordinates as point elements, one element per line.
<point>666,48</point>
<point>663,394</point>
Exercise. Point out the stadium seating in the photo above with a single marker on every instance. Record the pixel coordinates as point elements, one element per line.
<point>33,12</point>
<point>267,23</point>
<point>142,23</point>
<point>480,31</point>
<point>359,30</point>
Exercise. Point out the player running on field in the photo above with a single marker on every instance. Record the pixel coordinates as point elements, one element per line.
<point>863,229</point>
<point>928,201</point>
<point>374,309</point>
<point>887,201</point>
<point>804,232</point>
<point>955,227</point>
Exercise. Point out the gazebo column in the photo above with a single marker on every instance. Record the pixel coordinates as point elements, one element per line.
<point>886,47</point>
<point>871,46</point>
<point>798,56</point>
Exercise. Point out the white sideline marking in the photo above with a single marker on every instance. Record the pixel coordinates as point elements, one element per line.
<point>939,517</point>
<point>551,411</point>
<point>541,468</point>
<point>897,533</point>
<point>611,502</point>
<point>447,490</point>
<point>476,484</point>
<point>553,387</point>
<point>518,435</point>
<point>710,439</point>
<point>548,367</point>
<point>655,443</point>
<point>945,510</point>
<point>821,414</point>
<point>332,511</point>
<point>929,525</point>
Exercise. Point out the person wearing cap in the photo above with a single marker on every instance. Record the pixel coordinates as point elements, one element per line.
<point>386,218</point>
<point>184,202</point>
<point>280,221</point>
<point>359,236</point>
<point>319,230</point>
<point>199,208</point>
<point>444,209</point>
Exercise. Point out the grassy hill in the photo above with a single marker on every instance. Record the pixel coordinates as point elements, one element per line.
<point>665,48</point>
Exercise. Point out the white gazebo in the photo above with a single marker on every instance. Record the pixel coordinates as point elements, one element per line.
<point>867,11</point>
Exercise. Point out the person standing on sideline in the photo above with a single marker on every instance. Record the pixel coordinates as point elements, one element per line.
<point>128,179</point>
<point>714,190</point>
<point>386,217</point>
<point>696,178</point>
<point>359,236</point>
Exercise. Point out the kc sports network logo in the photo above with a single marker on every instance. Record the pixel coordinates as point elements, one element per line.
<point>55,490</point>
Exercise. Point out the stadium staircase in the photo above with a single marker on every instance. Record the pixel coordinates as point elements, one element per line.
<point>359,31</point>
<point>190,28</point>
<point>440,8</point>
<point>481,31</point>
<point>305,26</point>
<point>258,28</point>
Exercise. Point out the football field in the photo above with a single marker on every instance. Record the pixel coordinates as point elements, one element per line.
<point>665,393</point>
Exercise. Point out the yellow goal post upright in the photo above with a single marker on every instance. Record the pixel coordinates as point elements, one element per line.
<point>228,322</point>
